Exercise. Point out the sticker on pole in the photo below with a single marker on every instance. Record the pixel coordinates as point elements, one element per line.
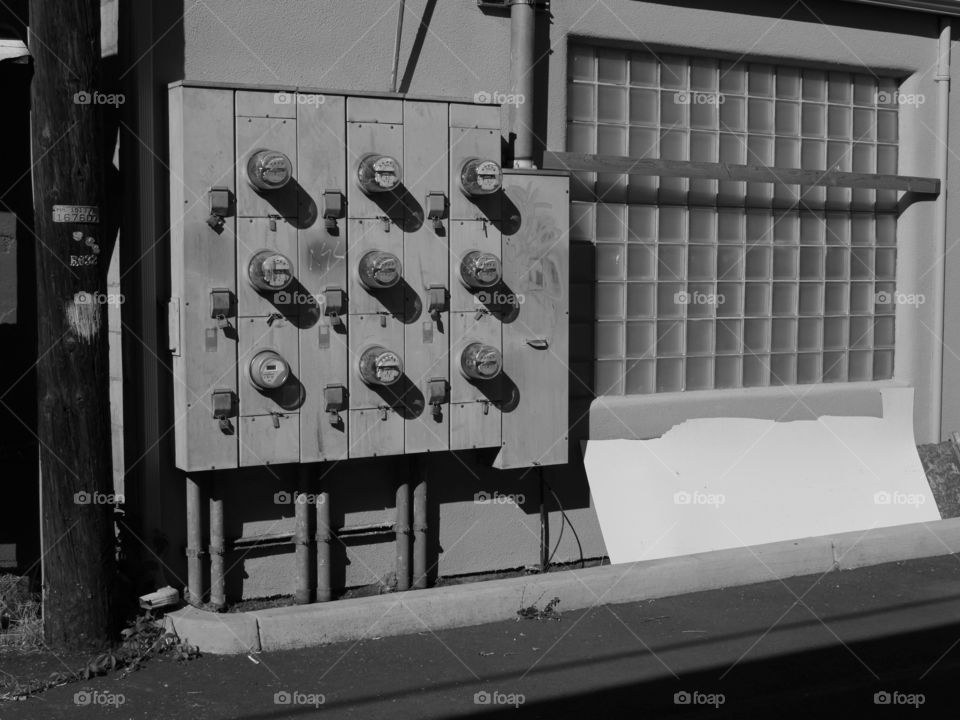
<point>76,214</point>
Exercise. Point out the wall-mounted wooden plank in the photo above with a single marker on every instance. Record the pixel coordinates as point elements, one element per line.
<point>613,164</point>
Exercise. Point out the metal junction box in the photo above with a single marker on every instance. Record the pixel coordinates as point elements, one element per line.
<point>358,276</point>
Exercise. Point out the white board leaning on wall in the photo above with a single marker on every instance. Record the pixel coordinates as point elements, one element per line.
<point>717,483</point>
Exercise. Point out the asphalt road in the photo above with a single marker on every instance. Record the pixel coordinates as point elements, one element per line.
<point>807,647</point>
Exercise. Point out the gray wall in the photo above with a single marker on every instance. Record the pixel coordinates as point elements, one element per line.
<point>323,43</point>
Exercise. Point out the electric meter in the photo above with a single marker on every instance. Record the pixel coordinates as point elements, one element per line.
<point>378,173</point>
<point>270,271</point>
<point>379,366</point>
<point>480,362</point>
<point>269,170</point>
<point>480,270</point>
<point>379,270</point>
<point>268,371</point>
<point>480,177</point>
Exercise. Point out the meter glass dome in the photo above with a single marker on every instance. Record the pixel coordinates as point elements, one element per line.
<point>269,170</point>
<point>480,362</point>
<point>378,173</point>
<point>480,269</point>
<point>480,177</point>
<point>379,270</point>
<point>270,271</point>
<point>379,366</point>
<point>268,371</point>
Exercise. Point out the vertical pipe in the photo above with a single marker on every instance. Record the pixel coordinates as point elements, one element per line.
<point>217,584</point>
<point>942,80</point>
<point>403,535</point>
<point>396,46</point>
<point>420,525</point>
<point>194,594</point>
<point>324,537</point>
<point>544,525</point>
<point>301,537</point>
<point>523,16</point>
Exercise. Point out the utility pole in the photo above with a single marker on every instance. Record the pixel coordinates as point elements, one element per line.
<point>72,255</point>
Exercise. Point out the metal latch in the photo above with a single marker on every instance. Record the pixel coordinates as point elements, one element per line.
<point>384,411</point>
<point>334,401</point>
<point>332,208</point>
<point>276,419</point>
<point>436,396</point>
<point>273,221</point>
<point>223,409</point>
<point>219,198</point>
<point>436,301</point>
<point>220,303</point>
<point>334,303</point>
<point>436,208</point>
<point>386,222</point>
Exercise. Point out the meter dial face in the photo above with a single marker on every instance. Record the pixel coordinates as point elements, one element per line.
<point>379,366</point>
<point>480,177</point>
<point>480,362</point>
<point>270,271</point>
<point>480,269</point>
<point>269,170</point>
<point>378,173</point>
<point>268,371</point>
<point>379,270</point>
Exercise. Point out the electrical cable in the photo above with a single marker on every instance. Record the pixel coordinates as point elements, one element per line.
<point>563,513</point>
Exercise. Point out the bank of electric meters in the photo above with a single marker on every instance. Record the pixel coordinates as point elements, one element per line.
<point>355,277</point>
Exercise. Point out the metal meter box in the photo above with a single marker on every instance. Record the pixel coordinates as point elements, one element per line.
<point>358,276</point>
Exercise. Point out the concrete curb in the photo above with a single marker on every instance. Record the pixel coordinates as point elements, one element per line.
<point>497,600</point>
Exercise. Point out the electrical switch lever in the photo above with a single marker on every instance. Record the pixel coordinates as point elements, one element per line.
<point>332,208</point>
<point>222,402</point>
<point>436,301</point>
<point>436,396</point>
<point>436,208</point>
<point>220,302</point>
<point>219,198</point>
<point>334,402</point>
<point>334,304</point>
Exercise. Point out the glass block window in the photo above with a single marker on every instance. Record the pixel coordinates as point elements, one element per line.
<point>699,284</point>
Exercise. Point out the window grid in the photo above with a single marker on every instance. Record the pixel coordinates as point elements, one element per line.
<point>705,284</point>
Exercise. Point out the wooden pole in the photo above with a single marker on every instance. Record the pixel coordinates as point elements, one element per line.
<point>72,255</point>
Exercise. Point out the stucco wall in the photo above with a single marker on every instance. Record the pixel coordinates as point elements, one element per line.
<point>327,43</point>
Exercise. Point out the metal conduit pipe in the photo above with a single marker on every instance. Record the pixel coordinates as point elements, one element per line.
<point>324,537</point>
<point>302,590</point>
<point>396,46</point>
<point>218,598</point>
<point>403,535</point>
<point>420,526</point>
<point>942,80</point>
<point>194,594</point>
<point>523,16</point>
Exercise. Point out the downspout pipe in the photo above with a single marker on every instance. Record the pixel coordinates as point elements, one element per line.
<point>942,80</point>
<point>194,592</point>
<point>523,17</point>
<point>324,538</point>
<point>420,524</point>
<point>396,46</point>
<point>302,591</point>
<point>218,596</point>
<point>403,535</point>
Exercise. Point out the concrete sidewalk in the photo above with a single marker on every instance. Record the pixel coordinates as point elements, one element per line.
<point>498,600</point>
<point>846,643</point>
